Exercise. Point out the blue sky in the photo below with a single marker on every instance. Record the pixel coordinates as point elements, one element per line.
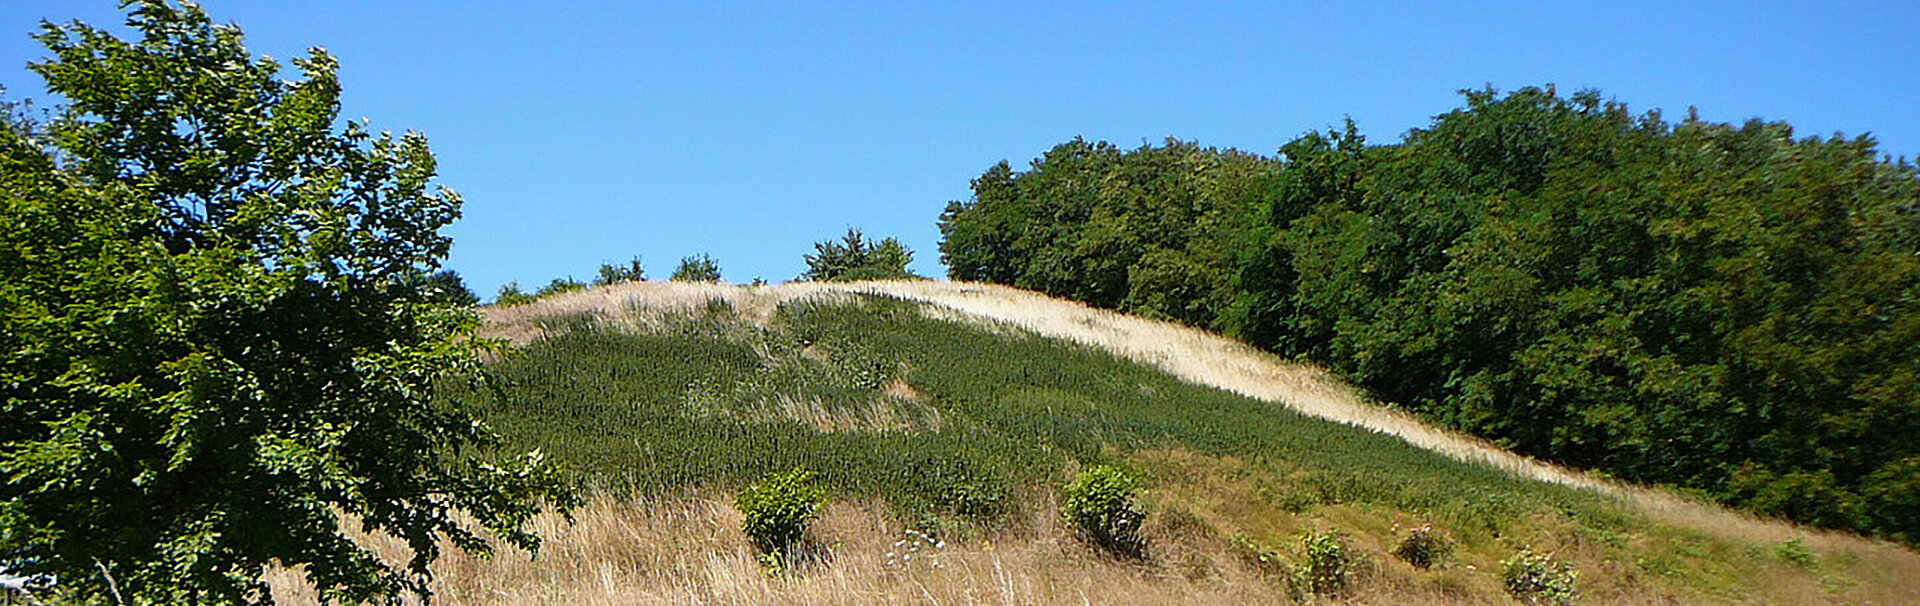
<point>583,133</point>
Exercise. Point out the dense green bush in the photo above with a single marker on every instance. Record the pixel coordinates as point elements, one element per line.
<point>1099,506</point>
<point>1328,563</point>
<point>615,274</point>
<point>1538,578</point>
<point>857,257</point>
<point>778,508</point>
<point>697,268</point>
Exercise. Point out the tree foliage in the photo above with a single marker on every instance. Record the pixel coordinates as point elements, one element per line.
<point>215,343</point>
<point>697,268</point>
<point>856,257</point>
<point>615,274</point>
<point>1727,308</point>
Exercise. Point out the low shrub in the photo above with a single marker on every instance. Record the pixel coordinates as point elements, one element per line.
<point>1099,506</point>
<point>1424,547</point>
<point>1795,553</point>
<point>1539,579</point>
<point>778,508</point>
<point>1329,564</point>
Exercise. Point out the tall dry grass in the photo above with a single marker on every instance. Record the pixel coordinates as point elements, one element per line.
<point>690,551</point>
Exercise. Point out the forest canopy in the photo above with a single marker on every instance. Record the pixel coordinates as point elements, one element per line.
<point>1729,309</point>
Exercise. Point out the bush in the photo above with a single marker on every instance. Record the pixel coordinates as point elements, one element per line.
<point>1329,564</point>
<point>778,508</point>
<point>1795,553</point>
<point>1536,578</point>
<point>1424,547</point>
<point>697,268</point>
<point>1099,506</point>
<point>856,257</point>
<point>615,274</point>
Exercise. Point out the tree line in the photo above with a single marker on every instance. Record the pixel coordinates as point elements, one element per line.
<point>1728,309</point>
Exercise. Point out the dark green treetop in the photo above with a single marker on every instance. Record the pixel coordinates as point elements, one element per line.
<point>856,257</point>
<point>697,268</point>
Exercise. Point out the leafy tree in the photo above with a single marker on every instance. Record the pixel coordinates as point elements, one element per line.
<point>615,274</point>
<point>1152,230</point>
<point>855,257</point>
<point>698,268</point>
<point>977,237</point>
<point>213,341</point>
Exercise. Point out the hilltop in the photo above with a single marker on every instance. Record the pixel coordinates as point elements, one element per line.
<point>957,409</point>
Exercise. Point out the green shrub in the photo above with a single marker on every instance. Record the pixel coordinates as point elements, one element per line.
<point>1099,506</point>
<point>1795,553</point>
<point>697,268</point>
<point>1538,578</point>
<point>1329,564</point>
<point>778,508</point>
<point>1424,547</point>
<point>615,274</point>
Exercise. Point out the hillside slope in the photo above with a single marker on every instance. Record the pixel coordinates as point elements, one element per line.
<point>681,391</point>
<point>1191,354</point>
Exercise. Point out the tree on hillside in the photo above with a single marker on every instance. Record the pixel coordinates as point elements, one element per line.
<point>615,274</point>
<point>213,344</point>
<point>697,268</point>
<point>855,257</point>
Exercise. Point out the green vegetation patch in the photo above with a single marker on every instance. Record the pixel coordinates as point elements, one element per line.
<point>930,414</point>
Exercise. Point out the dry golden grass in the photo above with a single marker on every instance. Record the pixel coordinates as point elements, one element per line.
<point>691,551</point>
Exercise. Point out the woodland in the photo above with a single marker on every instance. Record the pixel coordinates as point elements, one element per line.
<point>1728,310</point>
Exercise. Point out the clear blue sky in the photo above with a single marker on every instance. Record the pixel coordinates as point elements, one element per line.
<point>582,133</point>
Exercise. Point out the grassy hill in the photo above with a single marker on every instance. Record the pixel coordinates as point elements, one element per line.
<point>957,410</point>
